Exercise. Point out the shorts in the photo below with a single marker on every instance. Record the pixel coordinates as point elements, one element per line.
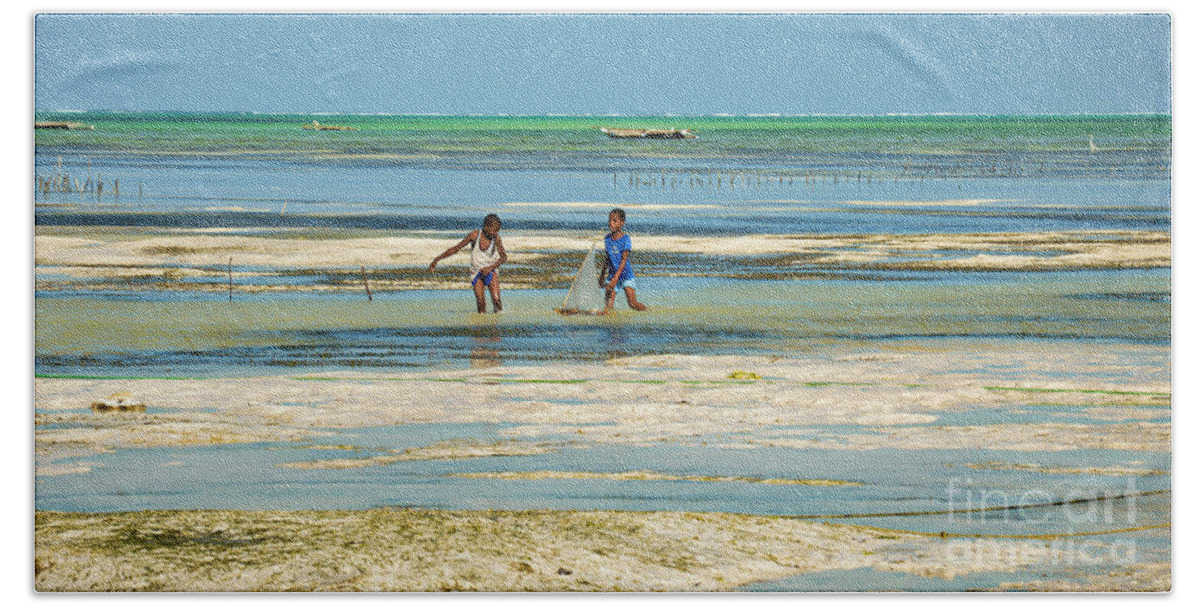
<point>627,284</point>
<point>487,280</point>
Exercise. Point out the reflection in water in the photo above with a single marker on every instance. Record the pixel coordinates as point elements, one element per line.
<point>618,339</point>
<point>486,338</point>
<point>482,357</point>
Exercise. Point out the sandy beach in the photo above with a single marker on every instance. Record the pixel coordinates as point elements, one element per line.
<point>415,550</point>
<point>892,398</point>
<point>634,401</point>
<point>1030,415</point>
<point>141,259</point>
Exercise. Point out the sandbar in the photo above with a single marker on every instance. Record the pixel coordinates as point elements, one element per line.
<point>429,550</point>
<point>140,259</point>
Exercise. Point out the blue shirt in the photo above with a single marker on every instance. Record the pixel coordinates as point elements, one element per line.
<point>613,250</point>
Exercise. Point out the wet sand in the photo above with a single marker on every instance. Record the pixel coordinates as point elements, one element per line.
<point>911,394</point>
<point>125,259</point>
<point>890,398</point>
<point>421,550</point>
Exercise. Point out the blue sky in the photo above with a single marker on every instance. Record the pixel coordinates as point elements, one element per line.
<point>600,64</point>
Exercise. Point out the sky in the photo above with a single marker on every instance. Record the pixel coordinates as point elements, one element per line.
<point>605,64</point>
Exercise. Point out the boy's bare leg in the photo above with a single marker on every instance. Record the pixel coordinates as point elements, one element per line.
<point>480,301</point>
<point>496,295</point>
<point>610,296</point>
<point>631,298</point>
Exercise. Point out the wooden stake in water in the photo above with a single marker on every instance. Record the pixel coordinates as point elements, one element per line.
<point>230,279</point>
<point>365,283</point>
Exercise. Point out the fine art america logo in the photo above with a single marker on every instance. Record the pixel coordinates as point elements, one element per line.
<point>1066,526</point>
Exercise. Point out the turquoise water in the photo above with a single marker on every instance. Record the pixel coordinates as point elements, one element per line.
<point>245,477</point>
<point>719,136</point>
<point>743,176</point>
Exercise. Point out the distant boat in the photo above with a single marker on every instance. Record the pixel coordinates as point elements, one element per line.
<point>316,126</point>
<point>648,133</point>
<point>1092,145</point>
<point>71,126</point>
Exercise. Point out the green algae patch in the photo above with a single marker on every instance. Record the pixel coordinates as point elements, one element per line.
<point>741,375</point>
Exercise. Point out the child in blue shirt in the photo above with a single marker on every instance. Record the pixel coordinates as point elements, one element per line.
<point>617,265</point>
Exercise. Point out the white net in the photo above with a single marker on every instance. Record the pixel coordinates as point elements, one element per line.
<point>585,296</point>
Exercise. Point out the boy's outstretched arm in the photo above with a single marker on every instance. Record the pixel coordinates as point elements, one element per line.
<point>453,250</point>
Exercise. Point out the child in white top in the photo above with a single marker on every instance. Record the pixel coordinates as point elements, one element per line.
<point>487,254</point>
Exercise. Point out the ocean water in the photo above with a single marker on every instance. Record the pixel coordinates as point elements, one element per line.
<point>205,335</point>
<point>742,176</point>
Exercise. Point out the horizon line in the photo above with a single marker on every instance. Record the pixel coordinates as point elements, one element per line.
<point>607,115</point>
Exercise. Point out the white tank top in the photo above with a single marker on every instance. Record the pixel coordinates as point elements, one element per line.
<point>482,258</point>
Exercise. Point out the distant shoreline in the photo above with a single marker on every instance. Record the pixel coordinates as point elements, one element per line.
<point>594,116</point>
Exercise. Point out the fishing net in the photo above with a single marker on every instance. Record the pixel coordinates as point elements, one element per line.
<point>584,296</point>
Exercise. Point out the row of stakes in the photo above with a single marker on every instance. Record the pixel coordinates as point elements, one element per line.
<point>366,284</point>
<point>732,179</point>
<point>62,183</point>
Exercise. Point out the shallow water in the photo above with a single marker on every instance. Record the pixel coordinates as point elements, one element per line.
<point>743,176</point>
<point>870,579</point>
<point>245,477</point>
<point>803,175</point>
<point>205,335</point>
<point>248,477</point>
